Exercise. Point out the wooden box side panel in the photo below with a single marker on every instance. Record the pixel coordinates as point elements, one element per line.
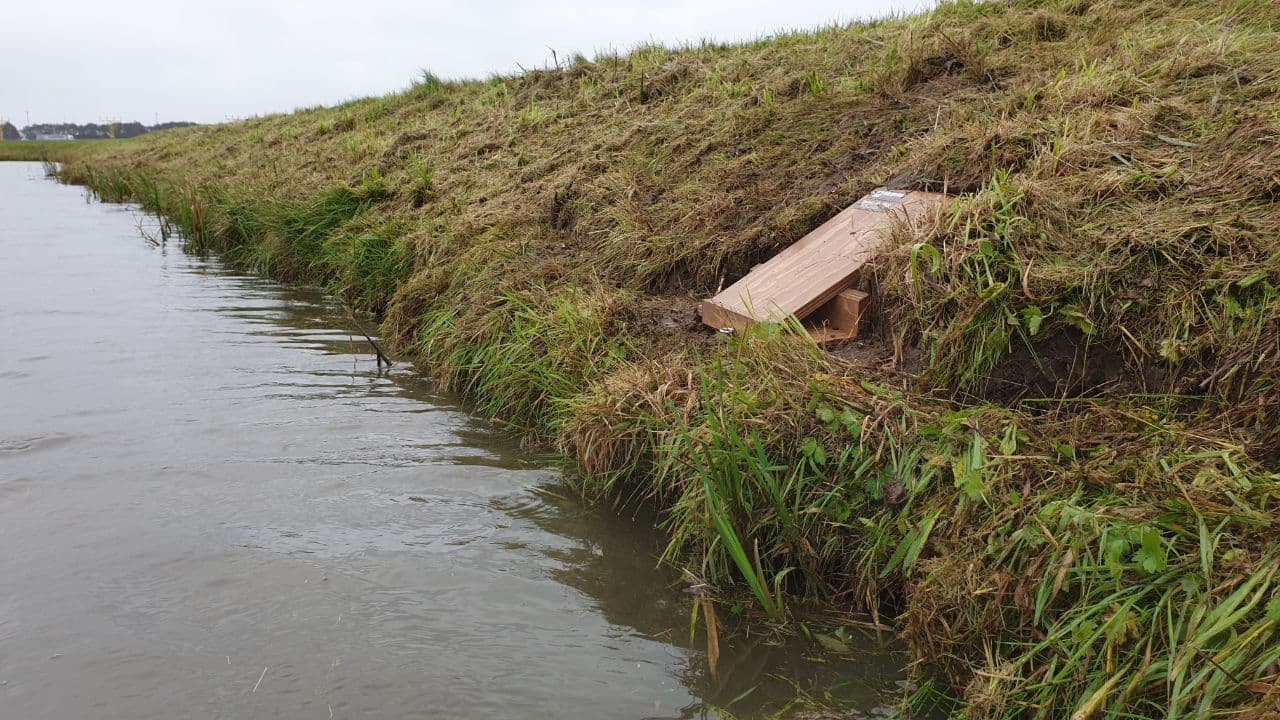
<point>841,318</point>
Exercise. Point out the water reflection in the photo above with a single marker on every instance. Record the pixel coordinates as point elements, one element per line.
<point>615,563</point>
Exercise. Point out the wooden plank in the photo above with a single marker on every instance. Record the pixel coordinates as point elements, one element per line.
<point>806,275</point>
<point>718,317</point>
<point>826,336</point>
<point>841,318</point>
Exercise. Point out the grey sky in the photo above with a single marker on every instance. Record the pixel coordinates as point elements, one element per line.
<point>88,60</point>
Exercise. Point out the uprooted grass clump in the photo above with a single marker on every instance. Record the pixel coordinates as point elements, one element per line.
<point>1054,464</point>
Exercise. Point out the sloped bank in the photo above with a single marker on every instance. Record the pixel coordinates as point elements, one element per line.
<point>1055,470</point>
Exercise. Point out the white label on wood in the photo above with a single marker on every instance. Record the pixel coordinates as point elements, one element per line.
<point>881,200</point>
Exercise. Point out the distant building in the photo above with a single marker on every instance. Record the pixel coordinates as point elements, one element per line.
<point>55,136</point>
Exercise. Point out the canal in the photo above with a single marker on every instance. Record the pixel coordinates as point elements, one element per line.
<point>214,504</point>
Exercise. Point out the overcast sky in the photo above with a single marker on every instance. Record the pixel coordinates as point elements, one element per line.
<point>210,60</point>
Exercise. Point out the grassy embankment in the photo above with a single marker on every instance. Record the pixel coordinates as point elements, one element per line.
<point>41,150</point>
<point>1053,464</point>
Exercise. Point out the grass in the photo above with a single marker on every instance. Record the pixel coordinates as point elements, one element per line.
<point>41,150</point>
<point>1052,464</point>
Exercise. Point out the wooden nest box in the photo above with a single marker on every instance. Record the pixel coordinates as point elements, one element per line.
<point>813,279</point>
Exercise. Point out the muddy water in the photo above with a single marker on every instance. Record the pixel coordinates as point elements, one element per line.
<point>214,505</point>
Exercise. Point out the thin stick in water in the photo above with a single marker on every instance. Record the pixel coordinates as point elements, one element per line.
<point>381,356</point>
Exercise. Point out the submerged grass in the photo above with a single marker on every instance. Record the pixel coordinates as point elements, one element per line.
<point>1054,463</point>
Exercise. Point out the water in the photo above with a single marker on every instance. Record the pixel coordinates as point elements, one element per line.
<point>213,504</point>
